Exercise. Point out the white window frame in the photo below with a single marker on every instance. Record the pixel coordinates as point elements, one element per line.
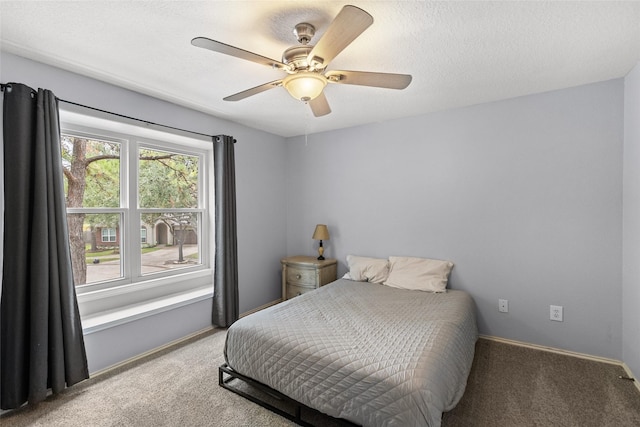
<point>104,304</point>
<point>109,235</point>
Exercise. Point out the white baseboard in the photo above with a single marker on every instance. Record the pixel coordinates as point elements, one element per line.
<point>262,307</point>
<point>630,375</point>
<point>552,350</point>
<point>566,353</point>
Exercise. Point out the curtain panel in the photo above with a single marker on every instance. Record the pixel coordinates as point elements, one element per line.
<point>225,282</point>
<point>42,345</point>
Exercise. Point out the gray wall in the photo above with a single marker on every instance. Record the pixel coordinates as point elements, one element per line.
<point>260,178</point>
<point>523,195</point>
<point>631,223</point>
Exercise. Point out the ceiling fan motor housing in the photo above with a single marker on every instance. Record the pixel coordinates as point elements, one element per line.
<point>296,58</point>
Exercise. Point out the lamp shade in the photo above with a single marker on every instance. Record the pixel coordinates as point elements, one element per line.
<point>304,86</point>
<point>321,232</point>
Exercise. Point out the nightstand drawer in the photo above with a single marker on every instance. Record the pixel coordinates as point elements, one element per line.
<point>295,290</point>
<point>302,276</point>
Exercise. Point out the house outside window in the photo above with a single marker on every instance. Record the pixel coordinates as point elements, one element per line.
<point>138,211</point>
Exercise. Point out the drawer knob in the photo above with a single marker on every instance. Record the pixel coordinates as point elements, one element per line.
<point>298,276</point>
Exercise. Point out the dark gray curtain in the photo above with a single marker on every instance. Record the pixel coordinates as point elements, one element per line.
<point>225,288</point>
<point>41,345</point>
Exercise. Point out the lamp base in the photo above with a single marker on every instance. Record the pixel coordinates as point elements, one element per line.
<point>320,251</point>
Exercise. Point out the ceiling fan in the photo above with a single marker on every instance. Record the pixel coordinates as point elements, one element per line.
<point>305,64</point>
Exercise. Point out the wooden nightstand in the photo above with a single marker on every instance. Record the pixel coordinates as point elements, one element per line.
<point>302,274</point>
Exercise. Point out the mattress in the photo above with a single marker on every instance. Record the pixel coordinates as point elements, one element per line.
<point>364,352</point>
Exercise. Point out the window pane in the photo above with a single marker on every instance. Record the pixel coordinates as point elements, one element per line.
<point>95,247</point>
<point>108,235</point>
<point>172,241</point>
<point>92,172</point>
<point>167,180</point>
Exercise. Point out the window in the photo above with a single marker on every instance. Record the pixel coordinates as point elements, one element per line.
<point>137,211</point>
<point>108,234</point>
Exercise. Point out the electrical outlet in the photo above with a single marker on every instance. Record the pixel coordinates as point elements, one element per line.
<point>503,306</point>
<point>555,313</point>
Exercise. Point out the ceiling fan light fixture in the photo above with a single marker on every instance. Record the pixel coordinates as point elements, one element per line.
<point>304,86</point>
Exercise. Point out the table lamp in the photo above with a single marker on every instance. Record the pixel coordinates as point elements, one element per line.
<point>321,233</point>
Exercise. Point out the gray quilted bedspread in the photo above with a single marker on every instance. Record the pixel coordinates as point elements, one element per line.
<point>368,353</point>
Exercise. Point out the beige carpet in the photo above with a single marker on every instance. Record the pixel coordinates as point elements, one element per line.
<point>508,386</point>
<point>517,386</point>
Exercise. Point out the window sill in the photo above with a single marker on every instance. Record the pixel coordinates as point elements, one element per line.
<point>100,321</point>
<point>117,298</point>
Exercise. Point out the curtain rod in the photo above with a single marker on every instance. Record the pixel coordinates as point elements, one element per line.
<point>135,118</point>
<point>4,85</point>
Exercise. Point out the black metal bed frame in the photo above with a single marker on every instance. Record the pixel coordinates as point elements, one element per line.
<point>296,417</point>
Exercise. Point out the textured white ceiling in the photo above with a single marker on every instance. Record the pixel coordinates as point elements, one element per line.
<point>459,53</point>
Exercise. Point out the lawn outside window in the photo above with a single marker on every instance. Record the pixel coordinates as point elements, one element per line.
<point>139,213</point>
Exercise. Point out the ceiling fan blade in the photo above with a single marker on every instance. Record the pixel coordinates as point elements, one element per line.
<point>345,28</point>
<point>364,78</point>
<point>220,47</point>
<point>253,91</point>
<point>319,105</point>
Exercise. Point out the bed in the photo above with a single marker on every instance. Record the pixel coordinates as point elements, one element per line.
<point>366,353</point>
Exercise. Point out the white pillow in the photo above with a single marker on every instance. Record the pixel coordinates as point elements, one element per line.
<point>418,273</point>
<point>367,269</point>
